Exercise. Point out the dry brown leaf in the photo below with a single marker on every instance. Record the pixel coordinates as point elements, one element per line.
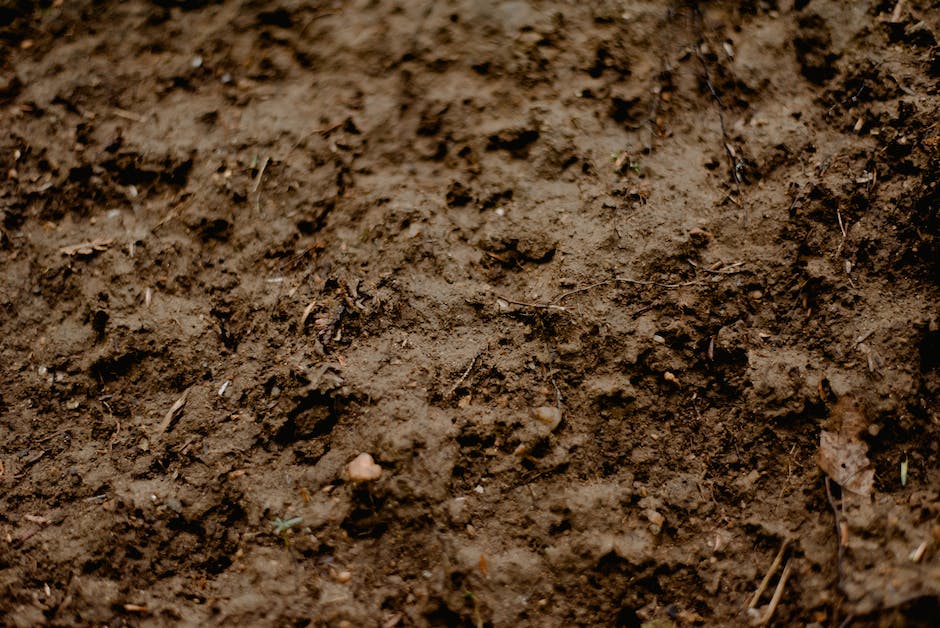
<point>842,453</point>
<point>847,418</point>
<point>845,461</point>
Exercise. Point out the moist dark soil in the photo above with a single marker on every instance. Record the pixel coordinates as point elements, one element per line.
<point>245,242</point>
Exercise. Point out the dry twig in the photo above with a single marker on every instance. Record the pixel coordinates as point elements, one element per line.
<point>636,282</point>
<point>553,304</point>
<point>540,306</point>
<point>128,115</point>
<point>778,593</point>
<point>460,381</point>
<point>766,581</point>
<point>898,9</point>
<point>257,183</point>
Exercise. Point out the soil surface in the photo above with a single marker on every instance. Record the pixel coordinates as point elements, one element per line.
<point>625,299</point>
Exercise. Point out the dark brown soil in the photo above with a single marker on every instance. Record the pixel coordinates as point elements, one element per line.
<point>243,242</point>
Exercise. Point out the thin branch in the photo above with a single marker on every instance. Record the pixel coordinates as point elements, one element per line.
<point>778,593</point>
<point>766,581</point>
<point>637,282</point>
<point>540,306</point>
<point>457,384</point>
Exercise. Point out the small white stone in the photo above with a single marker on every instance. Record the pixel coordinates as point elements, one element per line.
<point>363,469</point>
<point>549,416</point>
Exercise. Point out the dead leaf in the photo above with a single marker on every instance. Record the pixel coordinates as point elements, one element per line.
<point>173,413</point>
<point>842,453</point>
<point>845,461</point>
<point>87,248</point>
<point>847,418</point>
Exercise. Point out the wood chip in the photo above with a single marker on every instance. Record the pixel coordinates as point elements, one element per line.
<point>87,248</point>
<point>306,315</point>
<point>173,413</point>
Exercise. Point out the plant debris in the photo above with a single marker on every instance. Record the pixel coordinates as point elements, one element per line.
<point>842,453</point>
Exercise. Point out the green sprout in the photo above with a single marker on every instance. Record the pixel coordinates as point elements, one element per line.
<point>472,599</point>
<point>281,526</point>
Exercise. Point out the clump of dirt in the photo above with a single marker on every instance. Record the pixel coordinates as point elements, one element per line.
<point>589,284</point>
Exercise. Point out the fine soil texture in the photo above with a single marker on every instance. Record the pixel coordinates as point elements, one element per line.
<point>632,307</point>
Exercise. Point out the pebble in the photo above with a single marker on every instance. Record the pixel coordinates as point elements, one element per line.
<point>363,469</point>
<point>654,517</point>
<point>656,520</point>
<point>549,416</point>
